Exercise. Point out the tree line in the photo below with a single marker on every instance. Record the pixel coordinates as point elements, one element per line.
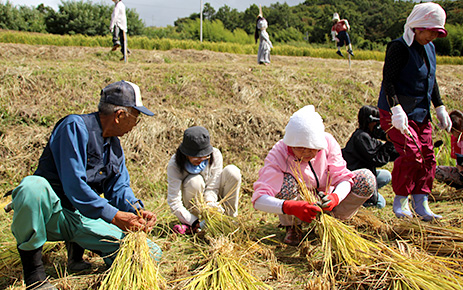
<point>373,23</point>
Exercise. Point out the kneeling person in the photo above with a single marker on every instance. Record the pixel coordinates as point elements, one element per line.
<point>61,201</point>
<point>316,156</point>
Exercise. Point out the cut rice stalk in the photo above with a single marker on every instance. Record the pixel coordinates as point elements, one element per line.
<point>417,271</point>
<point>224,269</point>
<point>338,240</point>
<point>434,239</point>
<point>133,267</point>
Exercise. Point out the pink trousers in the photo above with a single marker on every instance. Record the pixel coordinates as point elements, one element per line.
<point>415,168</point>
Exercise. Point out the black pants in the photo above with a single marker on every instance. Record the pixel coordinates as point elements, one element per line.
<point>118,38</point>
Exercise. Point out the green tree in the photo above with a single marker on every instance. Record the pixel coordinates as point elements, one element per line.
<point>229,17</point>
<point>79,17</point>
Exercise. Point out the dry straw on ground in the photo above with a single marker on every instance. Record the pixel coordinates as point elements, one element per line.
<point>347,252</point>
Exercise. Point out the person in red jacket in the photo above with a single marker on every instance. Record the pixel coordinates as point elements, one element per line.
<point>340,35</point>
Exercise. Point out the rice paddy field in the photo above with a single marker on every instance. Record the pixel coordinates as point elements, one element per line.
<point>245,107</point>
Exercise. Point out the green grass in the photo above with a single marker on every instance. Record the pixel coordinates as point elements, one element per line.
<point>142,42</point>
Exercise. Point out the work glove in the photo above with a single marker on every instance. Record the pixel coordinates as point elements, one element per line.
<point>215,205</point>
<point>301,209</point>
<point>328,200</point>
<point>195,228</point>
<point>444,118</point>
<point>399,119</point>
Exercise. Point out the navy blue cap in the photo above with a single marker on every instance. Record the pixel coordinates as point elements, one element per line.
<point>124,94</point>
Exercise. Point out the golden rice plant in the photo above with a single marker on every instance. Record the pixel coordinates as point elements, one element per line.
<point>216,222</point>
<point>225,268</point>
<point>413,268</point>
<point>133,267</point>
<point>434,239</point>
<point>416,269</point>
<point>338,240</point>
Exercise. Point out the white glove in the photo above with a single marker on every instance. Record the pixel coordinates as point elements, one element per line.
<point>400,120</point>
<point>444,118</point>
<point>215,205</point>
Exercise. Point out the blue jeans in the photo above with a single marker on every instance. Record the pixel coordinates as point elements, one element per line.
<point>383,177</point>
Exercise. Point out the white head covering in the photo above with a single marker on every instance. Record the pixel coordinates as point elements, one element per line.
<point>425,15</point>
<point>335,16</point>
<point>262,24</point>
<point>305,129</point>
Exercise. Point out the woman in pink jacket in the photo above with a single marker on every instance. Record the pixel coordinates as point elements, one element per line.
<point>307,146</point>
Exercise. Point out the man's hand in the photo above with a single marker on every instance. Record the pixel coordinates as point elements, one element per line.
<point>301,209</point>
<point>400,120</point>
<point>129,221</point>
<point>150,218</point>
<point>328,201</point>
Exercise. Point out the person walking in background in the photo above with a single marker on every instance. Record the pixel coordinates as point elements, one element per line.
<point>82,161</point>
<point>118,27</point>
<point>307,149</point>
<point>408,88</point>
<point>195,173</point>
<point>340,35</point>
<point>453,175</point>
<point>366,150</point>
<point>265,45</point>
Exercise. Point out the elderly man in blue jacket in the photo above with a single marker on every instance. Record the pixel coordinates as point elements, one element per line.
<point>80,192</point>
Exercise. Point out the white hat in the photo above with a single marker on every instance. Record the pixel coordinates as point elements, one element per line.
<point>336,16</point>
<point>262,24</point>
<point>305,129</point>
<point>425,15</point>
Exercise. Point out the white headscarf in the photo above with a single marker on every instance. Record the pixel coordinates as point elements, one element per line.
<point>262,24</point>
<point>305,129</point>
<point>425,15</point>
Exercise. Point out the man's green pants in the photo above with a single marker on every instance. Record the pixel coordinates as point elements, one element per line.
<point>38,217</point>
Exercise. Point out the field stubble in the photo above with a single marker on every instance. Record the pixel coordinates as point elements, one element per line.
<point>244,106</point>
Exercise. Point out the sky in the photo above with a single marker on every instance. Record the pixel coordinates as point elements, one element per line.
<point>161,13</point>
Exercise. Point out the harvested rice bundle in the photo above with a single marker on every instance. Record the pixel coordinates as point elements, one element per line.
<point>133,267</point>
<point>217,223</point>
<point>434,239</point>
<point>416,269</point>
<point>338,240</point>
<point>225,269</point>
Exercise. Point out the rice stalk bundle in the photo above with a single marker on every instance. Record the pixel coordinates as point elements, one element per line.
<point>338,240</point>
<point>225,269</point>
<point>434,239</point>
<point>133,267</point>
<point>217,223</point>
<point>417,270</point>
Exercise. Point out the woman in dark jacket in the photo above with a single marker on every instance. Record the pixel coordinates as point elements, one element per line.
<point>409,87</point>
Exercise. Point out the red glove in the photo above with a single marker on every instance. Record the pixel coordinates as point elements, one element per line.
<point>329,201</point>
<point>301,209</point>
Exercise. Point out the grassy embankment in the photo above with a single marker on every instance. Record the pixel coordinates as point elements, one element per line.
<point>245,107</point>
